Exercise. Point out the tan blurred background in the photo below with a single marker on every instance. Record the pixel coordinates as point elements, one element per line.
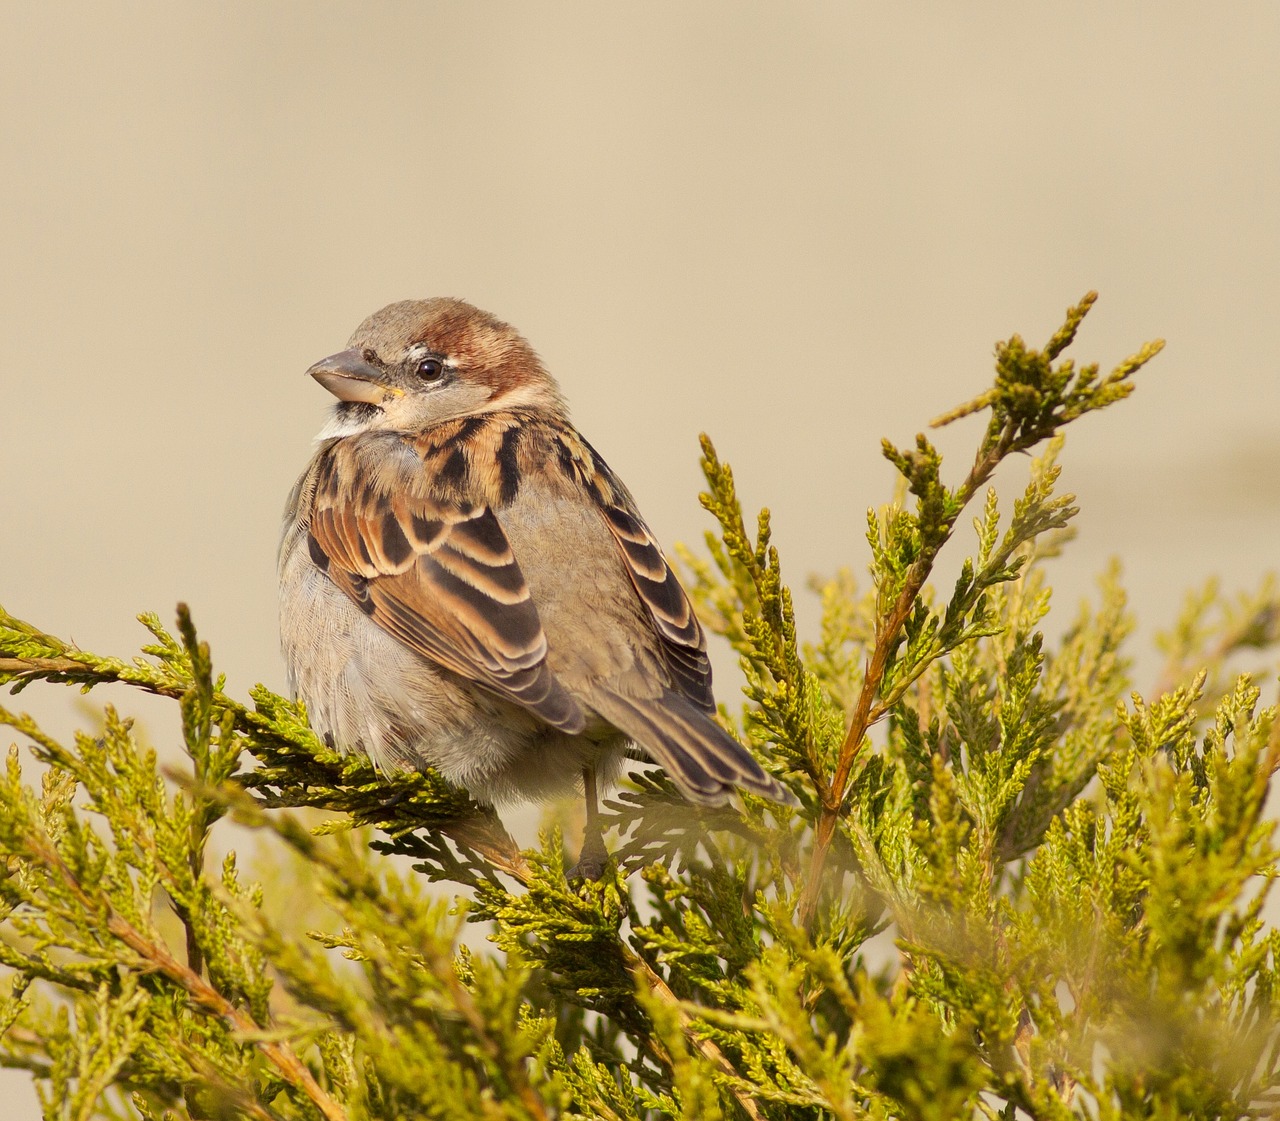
<point>799,227</point>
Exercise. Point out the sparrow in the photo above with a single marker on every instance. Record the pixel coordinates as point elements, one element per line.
<point>466,585</point>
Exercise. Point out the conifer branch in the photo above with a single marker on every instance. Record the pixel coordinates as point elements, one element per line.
<point>157,957</point>
<point>1030,401</point>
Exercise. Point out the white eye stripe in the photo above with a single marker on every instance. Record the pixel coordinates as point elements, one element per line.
<point>420,351</point>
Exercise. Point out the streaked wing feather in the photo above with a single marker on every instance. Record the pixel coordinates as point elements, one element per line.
<point>703,760</point>
<point>438,575</point>
<point>677,626</point>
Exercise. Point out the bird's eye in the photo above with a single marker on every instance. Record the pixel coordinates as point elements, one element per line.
<point>430,369</point>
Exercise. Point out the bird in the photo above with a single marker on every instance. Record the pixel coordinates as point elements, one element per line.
<point>466,585</point>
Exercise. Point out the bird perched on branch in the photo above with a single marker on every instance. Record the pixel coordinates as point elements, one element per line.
<point>464,583</point>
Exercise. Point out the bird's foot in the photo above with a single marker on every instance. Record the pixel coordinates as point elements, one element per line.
<point>591,859</point>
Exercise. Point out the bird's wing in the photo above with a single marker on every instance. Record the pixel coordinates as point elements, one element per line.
<point>683,644</point>
<point>433,570</point>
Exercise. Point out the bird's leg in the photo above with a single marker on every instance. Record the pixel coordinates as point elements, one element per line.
<point>593,855</point>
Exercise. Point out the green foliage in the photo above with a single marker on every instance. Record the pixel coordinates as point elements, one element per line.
<point>1008,889</point>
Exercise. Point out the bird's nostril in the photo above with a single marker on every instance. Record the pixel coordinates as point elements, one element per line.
<point>370,355</point>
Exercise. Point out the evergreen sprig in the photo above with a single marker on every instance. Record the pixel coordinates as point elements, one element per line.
<point>1010,886</point>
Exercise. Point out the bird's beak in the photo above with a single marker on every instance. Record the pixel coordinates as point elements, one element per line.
<point>350,378</point>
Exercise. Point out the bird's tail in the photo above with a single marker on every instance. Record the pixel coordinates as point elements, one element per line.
<point>703,760</point>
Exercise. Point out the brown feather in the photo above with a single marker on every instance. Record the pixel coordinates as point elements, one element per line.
<point>683,646</point>
<point>438,574</point>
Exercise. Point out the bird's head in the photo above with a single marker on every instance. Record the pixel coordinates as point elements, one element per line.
<point>418,363</point>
